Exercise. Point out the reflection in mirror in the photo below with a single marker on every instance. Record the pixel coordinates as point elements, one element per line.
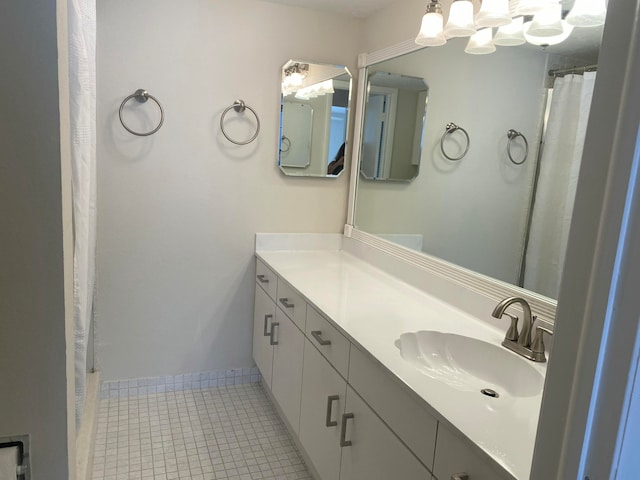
<point>314,118</point>
<point>485,212</point>
<point>394,117</point>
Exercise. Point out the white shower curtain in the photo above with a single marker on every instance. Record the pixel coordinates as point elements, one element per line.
<point>559,168</point>
<point>82,79</point>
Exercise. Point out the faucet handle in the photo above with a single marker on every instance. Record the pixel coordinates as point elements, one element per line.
<point>512,332</point>
<point>537,347</point>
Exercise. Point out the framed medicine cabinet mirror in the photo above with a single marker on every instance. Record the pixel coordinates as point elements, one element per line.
<point>492,204</point>
<point>314,119</point>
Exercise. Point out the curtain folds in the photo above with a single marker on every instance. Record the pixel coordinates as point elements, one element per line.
<point>559,168</point>
<point>82,79</point>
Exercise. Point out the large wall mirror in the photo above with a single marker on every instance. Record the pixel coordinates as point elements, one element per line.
<point>314,119</point>
<point>504,208</point>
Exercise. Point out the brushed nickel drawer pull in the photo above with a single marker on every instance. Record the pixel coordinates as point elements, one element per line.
<point>330,400</point>
<point>266,322</point>
<point>262,278</point>
<point>285,302</point>
<point>316,334</point>
<point>343,431</point>
<point>271,333</point>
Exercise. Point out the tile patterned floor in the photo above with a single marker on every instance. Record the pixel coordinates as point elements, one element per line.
<point>230,432</point>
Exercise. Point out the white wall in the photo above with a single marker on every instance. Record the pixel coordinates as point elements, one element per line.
<point>178,210</point>
<point>35,396</point>
<point>472,212</point>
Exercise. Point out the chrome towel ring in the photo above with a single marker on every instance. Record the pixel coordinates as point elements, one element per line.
<point>239,106</point>
<point>141,96</point>
<point>449,129</point>
<point>513,134</point>
<point>285,141</point>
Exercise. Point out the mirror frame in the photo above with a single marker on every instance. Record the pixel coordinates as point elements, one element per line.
<point>543,307</point>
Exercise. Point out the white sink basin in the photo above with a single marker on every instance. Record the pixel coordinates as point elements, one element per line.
<point>469,364</point>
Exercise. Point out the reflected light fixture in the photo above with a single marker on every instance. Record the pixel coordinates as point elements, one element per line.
<point>547,23</point>
<point>481,43</point>
<point>587,13</point>
<point>547,41</point>
<point>315,90</point>
<point>431,29</point>
<point>296,73</point>
<point>531,7</point>
<point>493,13</point>
<point>510,35</point>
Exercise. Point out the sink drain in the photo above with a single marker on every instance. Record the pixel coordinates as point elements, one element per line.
<point>489,393</point>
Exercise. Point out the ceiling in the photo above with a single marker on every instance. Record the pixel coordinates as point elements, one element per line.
<point>354,8</point>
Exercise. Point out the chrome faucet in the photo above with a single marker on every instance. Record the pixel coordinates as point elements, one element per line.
<point>520,342</point>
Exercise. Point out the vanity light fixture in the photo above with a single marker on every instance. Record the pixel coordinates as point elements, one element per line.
<point>547,41</point>
<point>493,13</point>
<point>315,90</point>
<point>460,22</point>
<point>587,13</point>
<point>510,35</point>
<point>431,29</point>
<point>530,7</point>
<point>481,43</point>
<point>510,17</point>
<point>548,22</point>
<point>296,73</point>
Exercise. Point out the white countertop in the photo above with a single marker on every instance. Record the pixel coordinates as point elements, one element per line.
<point>373,309</point>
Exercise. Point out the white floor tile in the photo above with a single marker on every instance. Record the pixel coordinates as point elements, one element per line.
<point>230,433</point>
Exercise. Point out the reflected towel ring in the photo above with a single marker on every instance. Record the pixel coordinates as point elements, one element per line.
<point>513,134</point>
<point>285,141</point>
<point>141,95</point>
<point>239,106</point>
<point>449,129</point>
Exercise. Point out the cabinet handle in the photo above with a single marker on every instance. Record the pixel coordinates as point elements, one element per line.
<point>316,334</point>
<point>273,330</point>
<point>330,400</point>
<point>343,431</point>
<point>262,278</point>
<point>266,321</point>
<point>285,302</point>
<point>459,476</point>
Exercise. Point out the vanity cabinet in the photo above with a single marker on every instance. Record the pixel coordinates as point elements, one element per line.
<point>353,419</point>
<point>286,382</point>
<point>453,456</point>
<point>278,343</point>
<point>263,319</point>
<point>323,400</point>
<point>371,451</point>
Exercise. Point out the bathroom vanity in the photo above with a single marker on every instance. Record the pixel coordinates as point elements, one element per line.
<point>378,379</point>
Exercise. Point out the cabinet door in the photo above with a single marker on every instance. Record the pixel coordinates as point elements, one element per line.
<point>263,317</point>
<point>286,381</point>
<point>322,404</point>
<point>374,453</point>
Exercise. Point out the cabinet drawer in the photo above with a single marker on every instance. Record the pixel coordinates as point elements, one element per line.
<point>292,303</point>
<point>266,279</point>
<point>455,456</point>
<point>331,343</point>
<point>399,409</point>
